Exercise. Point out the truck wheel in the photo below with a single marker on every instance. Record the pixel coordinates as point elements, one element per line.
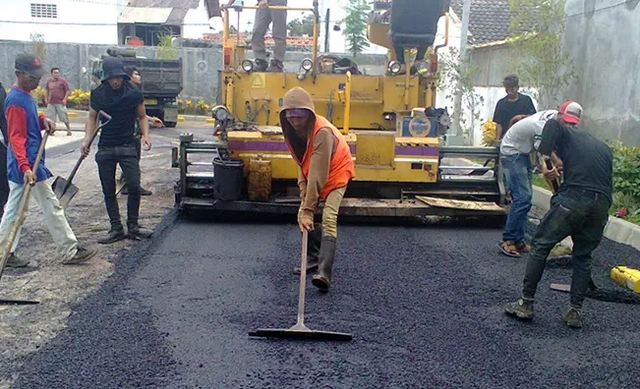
<point>170,124</point>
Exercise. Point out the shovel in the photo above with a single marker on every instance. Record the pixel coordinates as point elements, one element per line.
<point>64,189</point>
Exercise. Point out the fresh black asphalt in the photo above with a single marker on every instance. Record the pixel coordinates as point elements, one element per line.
<point>424,305</point>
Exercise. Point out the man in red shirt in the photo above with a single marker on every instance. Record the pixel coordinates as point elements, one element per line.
<point>57,92</point>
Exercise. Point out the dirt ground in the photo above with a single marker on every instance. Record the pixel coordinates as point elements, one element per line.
<point>25,328</point>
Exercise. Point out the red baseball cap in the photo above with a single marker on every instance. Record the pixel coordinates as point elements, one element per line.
<point>571,112</point>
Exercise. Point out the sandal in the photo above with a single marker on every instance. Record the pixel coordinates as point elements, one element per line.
<point>523,247</point>
<point>509,249</point>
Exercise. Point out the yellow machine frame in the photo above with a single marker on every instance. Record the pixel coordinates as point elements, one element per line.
<point>371,111</point>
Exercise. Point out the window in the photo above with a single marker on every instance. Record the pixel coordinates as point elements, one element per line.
<point>44,11</point>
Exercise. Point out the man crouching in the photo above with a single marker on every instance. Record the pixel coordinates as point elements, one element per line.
<point>326,167</point>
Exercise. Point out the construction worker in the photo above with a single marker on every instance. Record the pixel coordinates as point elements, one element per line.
<point>579,209</point>
<point>511,108</point>
<point>326,167</point>
<point>515,156</point>
<point>120,98</point>
<point>264,17</point>
<point>24,138</point>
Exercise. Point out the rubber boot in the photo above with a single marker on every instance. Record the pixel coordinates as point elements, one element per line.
<point>322,280</point>
<point>314,239</point>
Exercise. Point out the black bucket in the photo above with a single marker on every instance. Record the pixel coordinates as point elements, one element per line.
<point>228,179</point>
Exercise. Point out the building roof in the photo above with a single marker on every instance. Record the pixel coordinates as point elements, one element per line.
<point>489,20</point>
<point>179,8</point>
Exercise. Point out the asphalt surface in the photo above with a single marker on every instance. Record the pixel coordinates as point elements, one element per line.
<point>424,305</point>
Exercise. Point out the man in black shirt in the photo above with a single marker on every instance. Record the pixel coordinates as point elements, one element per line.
<point>118,97</point>
<point>579,209</point>
<point>4,182</point>
<point>511,108</point>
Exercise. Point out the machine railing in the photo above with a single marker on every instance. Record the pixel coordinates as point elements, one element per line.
<point>226,39</point>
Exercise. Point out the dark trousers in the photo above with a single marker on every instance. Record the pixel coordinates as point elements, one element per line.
<point>107,160</point>
<point>580,214</point>
<point>4,181</point>
<point>422,51</point>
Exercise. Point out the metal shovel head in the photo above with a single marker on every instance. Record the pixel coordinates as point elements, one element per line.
<point>287,333</point>
<point>64,196</point>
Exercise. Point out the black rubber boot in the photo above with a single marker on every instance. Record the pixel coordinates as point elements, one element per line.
<point>260,65</point>
<point>275,67</point>
<point>322,280</point>
<point>314,239</point>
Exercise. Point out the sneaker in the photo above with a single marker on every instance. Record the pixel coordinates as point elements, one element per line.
<point>260,65</point>
<point>138,232</point>
<point>573,317</point>
<point>275,67</point>
<point>112,236</point>
<point>145,192</point>
<point>522,309</point>
<point>15,261</point>
<point>82,255</point>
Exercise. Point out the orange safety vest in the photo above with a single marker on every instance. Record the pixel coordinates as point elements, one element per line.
<point>341,169</point>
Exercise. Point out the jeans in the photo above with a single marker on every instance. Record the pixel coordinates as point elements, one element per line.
<point>107,159</point>
<point>580,214</point>
<point>54,217</point>
<point>519,173</point>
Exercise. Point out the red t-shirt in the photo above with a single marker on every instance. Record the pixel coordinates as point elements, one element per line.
<point>57,90</point>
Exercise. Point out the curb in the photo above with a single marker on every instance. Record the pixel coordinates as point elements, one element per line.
<point>617,230</point>
<point>181,118</point>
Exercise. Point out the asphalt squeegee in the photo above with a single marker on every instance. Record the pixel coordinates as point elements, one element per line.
<point>300,331</point>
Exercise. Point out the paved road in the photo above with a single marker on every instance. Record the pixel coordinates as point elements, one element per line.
<point>424,305</point>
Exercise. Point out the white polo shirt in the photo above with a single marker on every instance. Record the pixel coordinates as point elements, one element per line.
<point>524,136</point>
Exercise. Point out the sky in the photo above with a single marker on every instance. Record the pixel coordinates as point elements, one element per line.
<point>337,42</point>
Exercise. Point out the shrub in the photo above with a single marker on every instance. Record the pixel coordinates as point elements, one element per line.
<point>626,170</point>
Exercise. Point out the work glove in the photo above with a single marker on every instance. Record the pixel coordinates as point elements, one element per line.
<point>305,219</point>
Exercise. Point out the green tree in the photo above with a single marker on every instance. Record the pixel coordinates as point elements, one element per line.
<point>452,78</point>
<point>301,26</point>
<point>535,33</point>
<point>165,47</point>
<point>356,26</point>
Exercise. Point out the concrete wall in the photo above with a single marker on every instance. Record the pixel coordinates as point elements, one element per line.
<point>602,36</point>
<point>200,65</point>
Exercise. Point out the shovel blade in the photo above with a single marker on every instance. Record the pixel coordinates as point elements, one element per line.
<point>64,196</point>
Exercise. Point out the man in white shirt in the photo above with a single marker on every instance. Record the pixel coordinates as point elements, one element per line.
<point>515,155</point>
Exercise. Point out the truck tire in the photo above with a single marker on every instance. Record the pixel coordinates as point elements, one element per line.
<point>170,124</point>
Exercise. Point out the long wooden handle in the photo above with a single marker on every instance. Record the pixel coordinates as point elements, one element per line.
<point>303,278</point>
<point>553,184</point>
<point>93,137</point>
<point>24,201</point>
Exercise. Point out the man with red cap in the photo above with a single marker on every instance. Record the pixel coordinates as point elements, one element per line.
<point>579,209</point>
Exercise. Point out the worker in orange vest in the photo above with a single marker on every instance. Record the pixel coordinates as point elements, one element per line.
<point>326,167</point>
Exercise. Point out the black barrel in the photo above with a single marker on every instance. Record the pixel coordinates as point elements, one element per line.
<point>228,179</point>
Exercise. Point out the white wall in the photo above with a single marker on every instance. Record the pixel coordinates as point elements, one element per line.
<point>81,22</point>
<point>196,22</point>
